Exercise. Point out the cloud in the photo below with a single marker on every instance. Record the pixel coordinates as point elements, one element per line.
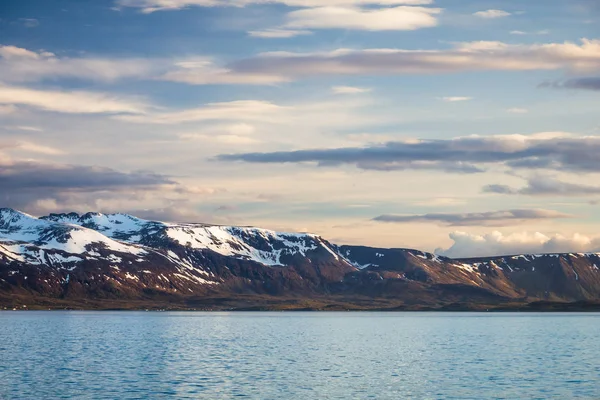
<point>29,22</point>
<point>29,147</point>
<point>462,57</point>
<point>517,110</point>
<point>491,14</point>
<point>40,187</point>
<point>278,33</point>
<point>24,128</point>
<point>542,32</point>
<point>400,18</point>
<point>13,52</point>
<point>499,244</point>
<point>33,175</point>
<point>253,110</point>
<point>552,151</point>
<point>491,218</point>
<point>588,83</point>
<point>7,109</point>
<point>349,90</point>
<point>455,99</point>
<point>206,72</point>
<point>545,186</point>
<point>23,65</point>
<point>227,138</point>
<point>150,6</point>
<point>75,102</point>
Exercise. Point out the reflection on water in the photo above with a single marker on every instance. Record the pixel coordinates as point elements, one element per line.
<point>123,355</point>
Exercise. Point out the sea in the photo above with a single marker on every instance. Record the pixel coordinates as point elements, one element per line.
<point>298,355</point>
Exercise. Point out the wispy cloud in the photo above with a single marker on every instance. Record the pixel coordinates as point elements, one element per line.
<point>349,90</point>
<point>516,110</point>
<point>464,154</point>
<point>278,33</point>
<point>545,186</point>
<point>471,56</point>
<point>29,22</point>
<point>492,14</point>
<point>454,99</point>
<point>150,6</point>
<point>23,65</point>
<point>585,83</point>
<point>73,102</point>
<point>542,32</point>
<point>29,147</point>
<point>490,218</point>
<point>236,134</point>
<point>249,110</point>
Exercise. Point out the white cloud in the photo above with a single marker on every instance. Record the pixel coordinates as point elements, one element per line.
<point>229,134</point>
<point>24,128</point>
<point>396,18</point>
<point>500,244</point>
<point>17,64</point>
<point>462,57</point>
<point>23,65</point>
<point>542,32</point>
<point>228,139</point>
<point>490,14</point>
<point>349,90</point>
<point>254,110</point>
<point>28,147</point>
<point>150,6</point>
<point>453,99</point>
<point>278,33</point>
<point>13,52</point>
<point>37,148</point>
<point>75,102</point>
<point>205,72</point>
<point>517,110</point>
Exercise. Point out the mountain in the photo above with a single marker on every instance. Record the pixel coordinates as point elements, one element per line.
<point>119,261</point>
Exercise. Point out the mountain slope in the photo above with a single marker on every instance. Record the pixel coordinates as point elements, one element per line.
<point>118,257</point>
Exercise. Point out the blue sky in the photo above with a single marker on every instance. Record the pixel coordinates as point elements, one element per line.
<point>470,127</point>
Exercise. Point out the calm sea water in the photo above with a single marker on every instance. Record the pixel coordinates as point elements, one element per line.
<point>147,355</point>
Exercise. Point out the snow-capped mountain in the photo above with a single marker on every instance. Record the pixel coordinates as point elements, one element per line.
<point>120,257</point>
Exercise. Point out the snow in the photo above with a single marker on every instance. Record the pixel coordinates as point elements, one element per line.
<point>237,242</point>
<point>133,277</point>
<point>193,278</point>
<point>19,227</point>
<point>467,267</point>
<point>248,243</point>
<point>426,256</point>
<point>37,241</point>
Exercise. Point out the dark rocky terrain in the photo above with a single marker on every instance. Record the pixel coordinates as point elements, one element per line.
<point>117,261</point>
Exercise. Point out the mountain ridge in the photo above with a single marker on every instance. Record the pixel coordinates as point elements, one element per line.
<point>95,258</point>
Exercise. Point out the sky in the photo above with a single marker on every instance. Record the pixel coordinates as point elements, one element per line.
<point>467,128</point>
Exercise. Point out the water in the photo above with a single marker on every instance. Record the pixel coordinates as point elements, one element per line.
<point>145,355</point>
